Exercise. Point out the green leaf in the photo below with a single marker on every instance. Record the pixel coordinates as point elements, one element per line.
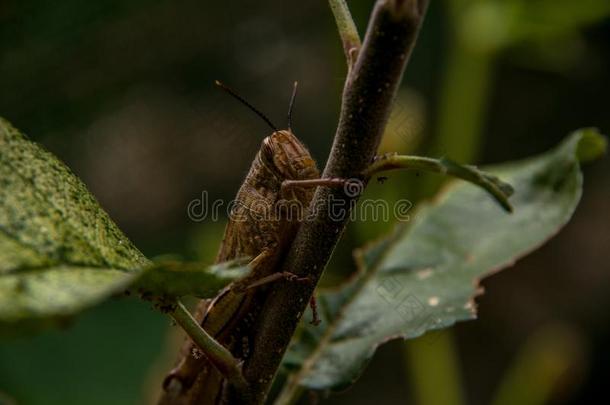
<point>50,296</point>
<point>59,251</point>
<point>176,279</point>
<point>426,274</point>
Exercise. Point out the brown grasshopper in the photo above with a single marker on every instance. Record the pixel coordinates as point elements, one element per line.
<point>282,176</point>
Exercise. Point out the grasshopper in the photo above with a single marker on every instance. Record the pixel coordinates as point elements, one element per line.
<point>282,176</point>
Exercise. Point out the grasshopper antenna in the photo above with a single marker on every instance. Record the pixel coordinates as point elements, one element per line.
<point>247,104</point>
<point>292,99</point>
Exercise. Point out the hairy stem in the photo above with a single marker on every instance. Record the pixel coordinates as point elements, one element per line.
<point>367,100</point>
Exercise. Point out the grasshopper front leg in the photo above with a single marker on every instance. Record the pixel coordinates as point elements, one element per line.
<point>254,279</point>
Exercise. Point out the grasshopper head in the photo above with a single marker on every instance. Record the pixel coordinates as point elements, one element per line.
<point>283,153</point>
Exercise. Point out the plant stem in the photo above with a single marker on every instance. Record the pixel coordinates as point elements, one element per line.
<point>367,101</point>
<point>347,30</point>
<point>499,190</point>
<point>433,362</point>
<point>218,355</point>
<point>291,391</point>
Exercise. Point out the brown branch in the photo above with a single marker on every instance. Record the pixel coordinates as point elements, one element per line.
<point>367,101</point>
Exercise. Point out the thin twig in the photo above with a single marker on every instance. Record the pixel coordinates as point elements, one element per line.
<point>347,30</point>
<point>218,355</point>
<point>498,189</point>
<point>367,101</point>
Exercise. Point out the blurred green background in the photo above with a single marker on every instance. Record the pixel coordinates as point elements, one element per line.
<point>123,92</point>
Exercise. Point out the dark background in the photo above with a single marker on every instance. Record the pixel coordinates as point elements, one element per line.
<point>123,92</point>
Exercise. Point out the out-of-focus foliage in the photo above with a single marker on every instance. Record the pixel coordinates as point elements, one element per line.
<point>490,26</point>
<point>425,275</point>
<point>104,358</point>
<point>552,354</point>
<point>541,34</point>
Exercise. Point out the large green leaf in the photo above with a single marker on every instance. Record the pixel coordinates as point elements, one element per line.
<point>60,252</point>
<point>426,274</point>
